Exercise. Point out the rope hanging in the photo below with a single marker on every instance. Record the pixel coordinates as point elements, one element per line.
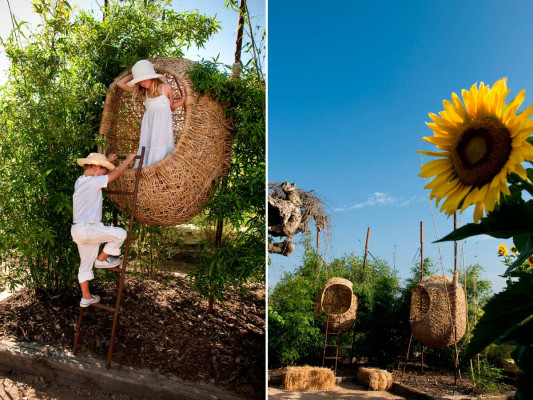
<point>172,191</point>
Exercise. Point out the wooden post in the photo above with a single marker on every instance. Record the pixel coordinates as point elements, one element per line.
<point>317,240</point>
<point>364,258</point>
<point>421,278</point>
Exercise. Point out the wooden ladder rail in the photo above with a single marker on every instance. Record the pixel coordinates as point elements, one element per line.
<point>122,271</point>
<point>336,333</point>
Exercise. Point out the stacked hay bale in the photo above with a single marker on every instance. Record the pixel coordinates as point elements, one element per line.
<point>374,378</point>
<point>438,311</point>
<point>308,378</point>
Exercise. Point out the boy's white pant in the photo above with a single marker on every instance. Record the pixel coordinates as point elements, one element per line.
<point>88,237</point>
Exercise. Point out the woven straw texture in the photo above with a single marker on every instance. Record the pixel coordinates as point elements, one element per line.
<point>374,378</point>
<point>308,378</point>
<point>432,302</point>
<point>339,303</point>
<point>171,191</point>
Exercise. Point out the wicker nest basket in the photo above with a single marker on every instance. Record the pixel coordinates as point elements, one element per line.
<point>171,191</point>
<point>339,302</point>
<point>438,305</point>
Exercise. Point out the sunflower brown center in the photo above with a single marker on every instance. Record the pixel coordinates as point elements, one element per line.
<point>481,150</point>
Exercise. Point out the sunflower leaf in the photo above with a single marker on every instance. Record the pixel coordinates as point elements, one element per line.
<point>504,313</point>
<point>505,221</point>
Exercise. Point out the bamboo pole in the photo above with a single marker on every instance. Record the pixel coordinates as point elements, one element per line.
<point>421,278</point>
<point>364,258</point>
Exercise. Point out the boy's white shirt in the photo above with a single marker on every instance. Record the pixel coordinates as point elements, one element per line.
<point>87,199</point>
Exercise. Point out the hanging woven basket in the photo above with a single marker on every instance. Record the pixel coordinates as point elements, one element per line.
<point>339,302</point>
<point>438,308</point>
<point>172,191</point>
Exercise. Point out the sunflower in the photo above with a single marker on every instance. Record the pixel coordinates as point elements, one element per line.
<point>530,260</point>
<point>482,142</point>
<point>502,250</point>
<point>514,250</point>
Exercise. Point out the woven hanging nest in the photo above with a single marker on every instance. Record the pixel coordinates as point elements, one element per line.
<point>171,191</point>
<point>438,304</point>
<point>339,302</point>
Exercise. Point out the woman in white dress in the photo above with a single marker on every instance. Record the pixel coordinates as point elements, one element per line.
<point>156,127</point>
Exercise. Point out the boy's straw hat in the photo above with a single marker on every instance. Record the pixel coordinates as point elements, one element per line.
<point>96,159</point>
<point>143,70</point>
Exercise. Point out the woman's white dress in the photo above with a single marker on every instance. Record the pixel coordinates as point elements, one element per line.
<point>156,130</point>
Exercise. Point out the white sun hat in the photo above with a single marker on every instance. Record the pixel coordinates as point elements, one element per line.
<point>143,70</point>
<point>96,159</point>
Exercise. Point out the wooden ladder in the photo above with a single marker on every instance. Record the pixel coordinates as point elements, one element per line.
<point>337,333</point>
<point>122,271</point>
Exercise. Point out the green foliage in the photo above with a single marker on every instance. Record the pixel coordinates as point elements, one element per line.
<point>49,115</point>
<point>487,378</point>
<point>507,320</point>
<point>239,198</point>
<point>295,335</point>
<point>508,316</point>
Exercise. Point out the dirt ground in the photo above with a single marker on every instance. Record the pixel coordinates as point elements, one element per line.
<point>345,390</point>
<point>163,326</point>
<point>18,386</point>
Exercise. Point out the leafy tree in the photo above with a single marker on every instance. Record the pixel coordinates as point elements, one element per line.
<point>49,116</point>
<point>238,201</point>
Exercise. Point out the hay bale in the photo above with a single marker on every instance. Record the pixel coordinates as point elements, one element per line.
<point>374,378</point>
<point>438,307</point>
<point>308,378</point>
<point>172,191</point>
<point>338,301</point>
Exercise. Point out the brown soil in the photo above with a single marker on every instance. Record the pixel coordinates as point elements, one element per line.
<point>163,326</point>
<point>19,386</point>
<point>440,383</point>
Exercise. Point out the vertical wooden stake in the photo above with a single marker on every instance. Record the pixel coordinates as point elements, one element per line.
<point>421,278</point>
<point>364,258</point>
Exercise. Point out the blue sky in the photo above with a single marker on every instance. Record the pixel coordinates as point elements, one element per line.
<point>222,43</point>
<point>350,87</point>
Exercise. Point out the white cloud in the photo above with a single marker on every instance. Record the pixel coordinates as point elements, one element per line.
<point>380,198</point>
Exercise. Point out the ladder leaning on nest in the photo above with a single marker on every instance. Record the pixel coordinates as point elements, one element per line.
<point>122,271</point>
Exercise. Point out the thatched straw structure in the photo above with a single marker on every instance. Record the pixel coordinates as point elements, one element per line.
<point>438,307</point>
<point>308,378</point>
<point>374,378</point>
<point>171,191</point>
<point>338,301</point>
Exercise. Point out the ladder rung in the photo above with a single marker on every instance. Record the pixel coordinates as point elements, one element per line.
<point>118,192</point>
<point>332,345</point>
<point>98,305</point>
<point>332,358</point>
<point>333,333</point>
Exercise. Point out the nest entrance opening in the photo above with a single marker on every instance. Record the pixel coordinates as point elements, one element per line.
<point>125,130</point>
<point>420,302</point>
<point>337,299</point>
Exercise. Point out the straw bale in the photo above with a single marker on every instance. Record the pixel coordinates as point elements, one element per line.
<point>308,378</point>
<point>171,191</point>
<point>438,305</point>
<point>338,301</point>
<point>374,378</point>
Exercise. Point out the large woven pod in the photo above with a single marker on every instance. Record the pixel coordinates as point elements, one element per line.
<point>437,305</point>
<point>339,303</point>
<point>171,191</point>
